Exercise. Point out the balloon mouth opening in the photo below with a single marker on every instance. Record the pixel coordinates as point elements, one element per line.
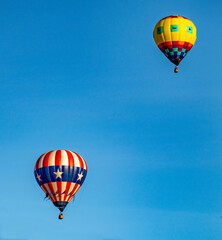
<point>60,205</point>
<point>176,61</point>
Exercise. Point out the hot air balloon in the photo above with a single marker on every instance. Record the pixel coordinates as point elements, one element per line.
<point>175,36</point>
<point>60,174</point>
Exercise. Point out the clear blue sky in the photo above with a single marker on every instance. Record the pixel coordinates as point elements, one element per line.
<point>87,76</point>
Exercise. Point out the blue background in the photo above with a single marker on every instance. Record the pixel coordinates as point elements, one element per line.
<point>87,76</point>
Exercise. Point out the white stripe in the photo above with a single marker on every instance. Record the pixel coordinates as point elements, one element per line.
<point>84,163</point>
<point>78,187</point>
<point>70,190</point>
<point>49,191</point>
<point>54,185</point>
<point>40,165</point>
<point>76,160</point>
<point>52,158</point>
<point>63,189</point>
<point>43,189</point>
<point>64,158</point>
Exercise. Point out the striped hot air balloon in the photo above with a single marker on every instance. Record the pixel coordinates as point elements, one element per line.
<point>60,174</point>
<point>175,36</point>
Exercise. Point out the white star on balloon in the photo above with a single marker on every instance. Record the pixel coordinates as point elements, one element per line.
<point>80,177</point>
<point>39,177</point>
<point>58,174</point>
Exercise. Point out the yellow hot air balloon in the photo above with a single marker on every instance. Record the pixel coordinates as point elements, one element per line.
<point>175,36</point>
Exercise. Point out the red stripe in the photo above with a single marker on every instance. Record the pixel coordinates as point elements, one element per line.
<point>37,162</point>
<point>70,163</point>
<point>44,189</point>
<point>85,164</point>
<point>70,158</point>
<point>70,197</point>
<point>50,197</point>
<point>46,192</point>
<point>50,193</point>
<point>80,161</point>
<point>46,159</point>
<point>58,159</point>
<point>59,187</point>
<point>174,16</point>
<point>170,45</point>
<point>67,190</point>
<point>51,189</point>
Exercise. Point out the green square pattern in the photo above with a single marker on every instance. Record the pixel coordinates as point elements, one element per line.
<point>174,28</point>
<point>189,29</point>
<point>159,30</point>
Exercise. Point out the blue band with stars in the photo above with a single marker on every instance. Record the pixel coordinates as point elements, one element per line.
<point>60,174</point>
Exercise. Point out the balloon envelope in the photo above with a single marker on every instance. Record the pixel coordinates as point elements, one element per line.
<point>60,174</point>
<point>175,36</point>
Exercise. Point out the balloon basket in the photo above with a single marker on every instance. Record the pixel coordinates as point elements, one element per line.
<point>176,70</point>
<point>61,216</point>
